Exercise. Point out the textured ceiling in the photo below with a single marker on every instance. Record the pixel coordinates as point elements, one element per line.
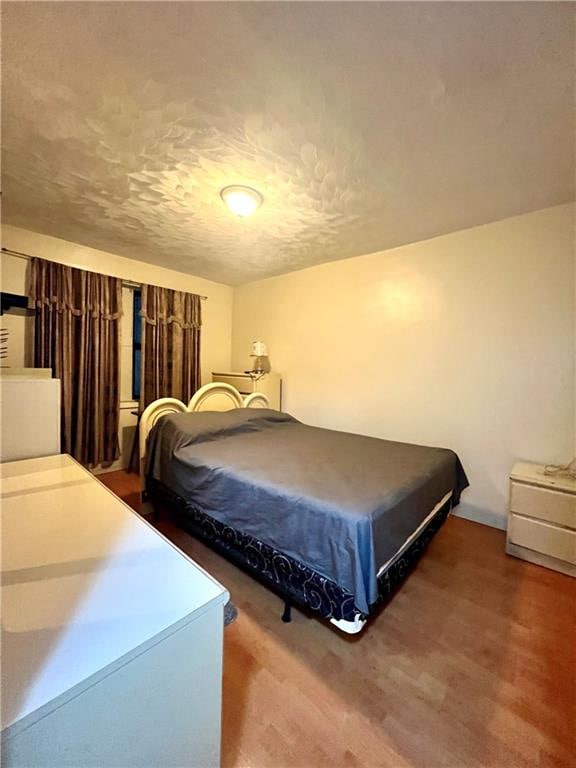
<point>364,125</point>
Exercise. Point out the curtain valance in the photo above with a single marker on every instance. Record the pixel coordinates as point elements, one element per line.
<point>66,289</point>
<point>163,306</point>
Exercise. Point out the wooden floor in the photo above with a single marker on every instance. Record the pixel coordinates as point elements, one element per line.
<point>471,664</point>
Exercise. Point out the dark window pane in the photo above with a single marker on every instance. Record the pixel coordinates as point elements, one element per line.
<point>136,343</point>
<point>137,326</point>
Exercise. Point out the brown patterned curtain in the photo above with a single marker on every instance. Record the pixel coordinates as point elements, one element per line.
<point>171,322</point>
<point>77,334</point>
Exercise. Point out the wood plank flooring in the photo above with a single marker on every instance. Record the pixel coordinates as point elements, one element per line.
<point>472,664</point>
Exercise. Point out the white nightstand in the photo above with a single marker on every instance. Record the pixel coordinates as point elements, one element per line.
<point>542,518</point>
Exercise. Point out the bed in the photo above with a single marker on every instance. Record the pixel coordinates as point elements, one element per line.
<point>330,520</point>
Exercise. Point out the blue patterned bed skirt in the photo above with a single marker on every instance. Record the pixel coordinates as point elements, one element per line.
<point>291,579</point>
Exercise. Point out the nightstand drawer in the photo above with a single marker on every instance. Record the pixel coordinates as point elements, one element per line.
<point>543,537</point>
<point>543,504</point>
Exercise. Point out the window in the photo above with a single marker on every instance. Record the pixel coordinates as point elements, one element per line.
<point>136,345</point>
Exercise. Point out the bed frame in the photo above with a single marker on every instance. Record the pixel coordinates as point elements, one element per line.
<point>303,587</point>
<point>210,397</point>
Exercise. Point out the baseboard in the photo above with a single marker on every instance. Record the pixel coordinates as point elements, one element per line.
<point>483,516</point>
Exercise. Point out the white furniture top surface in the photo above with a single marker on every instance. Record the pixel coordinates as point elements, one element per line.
<point>85,582</point>
<point>233,374</point>
<point>534,474</point>
<point>21,379</point>
<point>242,374</point>
<point>26,373</point>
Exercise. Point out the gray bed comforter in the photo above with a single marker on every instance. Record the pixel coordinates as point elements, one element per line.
<point>343,504</point>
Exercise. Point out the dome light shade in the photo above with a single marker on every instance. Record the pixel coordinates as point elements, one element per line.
<point>242,201</point>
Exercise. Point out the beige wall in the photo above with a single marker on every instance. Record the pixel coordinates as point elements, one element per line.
<point>464,341</point>
<point>216,311</point>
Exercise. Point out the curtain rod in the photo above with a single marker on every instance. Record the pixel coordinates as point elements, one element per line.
<point>125,283</point>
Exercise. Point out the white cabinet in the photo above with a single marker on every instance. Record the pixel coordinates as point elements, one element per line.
<point>270,384</point>
<point>111,637</point>
<point>30,411</point>
<point>542,518</point>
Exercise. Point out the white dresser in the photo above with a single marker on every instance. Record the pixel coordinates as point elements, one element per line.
<point>542,518</point>
<point>111,637</point>
<point>270,384</point>
<point>30,414</point>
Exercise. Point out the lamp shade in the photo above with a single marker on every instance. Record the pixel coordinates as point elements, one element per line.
<point>259,349</point>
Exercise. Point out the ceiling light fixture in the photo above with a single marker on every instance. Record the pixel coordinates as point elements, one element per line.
<point>242,201</point>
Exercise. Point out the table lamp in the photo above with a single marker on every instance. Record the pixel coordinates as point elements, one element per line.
<point>261,361</point>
